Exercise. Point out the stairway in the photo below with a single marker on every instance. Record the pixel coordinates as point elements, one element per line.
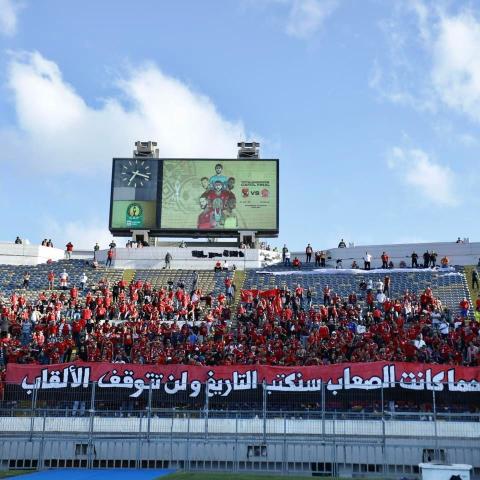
<point>128,275</point>
<point>468,276</point>
<point>238,279</point>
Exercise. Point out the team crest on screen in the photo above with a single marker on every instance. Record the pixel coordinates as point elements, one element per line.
<point>134,215</point>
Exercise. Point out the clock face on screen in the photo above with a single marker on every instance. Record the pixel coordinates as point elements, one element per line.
<point>136,173</point>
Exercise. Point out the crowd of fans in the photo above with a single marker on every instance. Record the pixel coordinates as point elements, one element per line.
<point>285,330</point>
<point>118,323</point>
<point>137,323</point>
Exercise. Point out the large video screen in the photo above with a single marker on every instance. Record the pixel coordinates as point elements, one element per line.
<point>194,196</point>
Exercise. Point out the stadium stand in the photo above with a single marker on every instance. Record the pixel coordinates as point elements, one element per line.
<point>169,317</point>
<point>178,316</point>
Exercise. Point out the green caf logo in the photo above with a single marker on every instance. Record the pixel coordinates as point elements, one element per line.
<point>134,215</point>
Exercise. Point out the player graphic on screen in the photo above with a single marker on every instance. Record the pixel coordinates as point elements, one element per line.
<point>205,219</point>
<point>205,183</point>
<point>217,202</point>
<point>218,177</point>
<point>229,219</point>
<point>218,192</point>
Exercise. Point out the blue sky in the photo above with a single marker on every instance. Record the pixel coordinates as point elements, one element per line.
<point>373,108</point>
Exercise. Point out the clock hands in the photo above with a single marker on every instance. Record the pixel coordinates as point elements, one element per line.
<point>132,177</point>
<point>136,173</point>
<point>143,175</point>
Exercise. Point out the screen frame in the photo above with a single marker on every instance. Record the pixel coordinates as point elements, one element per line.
<point>189,232</point>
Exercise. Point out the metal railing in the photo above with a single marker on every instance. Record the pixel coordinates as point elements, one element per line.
<point>98,427</point>
<point>265,402</point>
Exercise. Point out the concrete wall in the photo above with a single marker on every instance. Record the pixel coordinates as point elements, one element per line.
<point>457,253</point>
<point>246,426</point>
<point>12,254</point>
<point>183,258</point>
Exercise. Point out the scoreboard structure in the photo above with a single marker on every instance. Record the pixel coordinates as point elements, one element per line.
<point>194,197</point>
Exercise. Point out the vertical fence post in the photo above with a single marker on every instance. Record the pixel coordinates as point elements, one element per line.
<point>41,448</point>
<point>91,428</point>
<point>323,408</point>
<point>334,446</point>
<point>436,453</point>
<point>235,462</point>
<point>149,409</point>
<point>264,404</point>
<point>207,391</point>
<point>139,442</point>
<point>187,456</point>
<point>384,439</point>
<point>171,442</point>
<point>32,410</point>
<point>284,462</point>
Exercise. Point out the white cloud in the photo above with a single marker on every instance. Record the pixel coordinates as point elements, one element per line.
<point>8,16</point>
<point>306,17</point>
<point>83,234</point>
<point>434,58</point>
<point>57,129</point>
<point>435,182</point>
<point>456,68</point>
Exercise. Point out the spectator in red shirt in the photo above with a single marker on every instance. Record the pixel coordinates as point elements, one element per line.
<point>385,259</point>
<point>69,250</point>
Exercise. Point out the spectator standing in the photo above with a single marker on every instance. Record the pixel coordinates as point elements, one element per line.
<point>367,260</point>
<point>64,280</point>
<point>385,259</point>
<point>26,280</point>
<point>426,259</point>
<point>69,250</point>
<point>96,248</point>
<point>386,286</point>
<point>112,244</point>
<point>286,260</point>
<point>317,258</point>
<point>464,306</point>
<point>475,279</point>
<point>108,263</point>
<point>326,295</point>
<point>284,252</point>
<point>51,280</point>
<point>308,253</point>
<point>309,297</point>
<point>323,259</point>
<point>83,281</point>
<point>433,259</point>
<point>414,260</point>
<point>168,260</point>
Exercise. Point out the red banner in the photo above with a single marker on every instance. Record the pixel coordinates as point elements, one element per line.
<point>245,294</point>
<point>226,379</point>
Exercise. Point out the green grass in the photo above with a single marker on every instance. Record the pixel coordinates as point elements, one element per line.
<point>239,476</point>
<point>202,476</point>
